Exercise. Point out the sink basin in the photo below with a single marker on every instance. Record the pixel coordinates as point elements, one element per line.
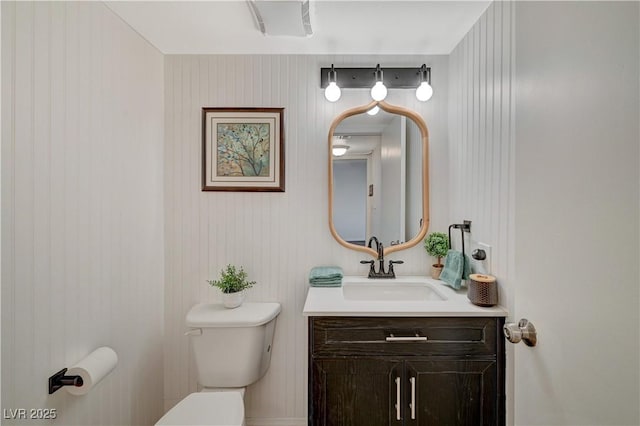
<point>414,289</point>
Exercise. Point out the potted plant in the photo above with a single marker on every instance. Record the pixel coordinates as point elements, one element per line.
<point>437,245</point>
<point>232,283</point>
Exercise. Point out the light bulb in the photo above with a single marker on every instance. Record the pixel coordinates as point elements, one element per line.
<point>374,110</point>
<point>424,91</point>
<point>332,92</point>
<point>379,91</point>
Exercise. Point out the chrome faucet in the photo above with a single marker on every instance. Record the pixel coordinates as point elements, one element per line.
<point>380,273</point>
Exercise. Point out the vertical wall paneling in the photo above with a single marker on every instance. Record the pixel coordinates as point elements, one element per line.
<point>7,29</point>
<point>481,171</point>
<point>276,237</point>
<point>82,220</point>
<point>479,133</point>
<point>1,136</point>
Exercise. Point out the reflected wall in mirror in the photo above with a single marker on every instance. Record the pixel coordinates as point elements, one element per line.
<point>378,177</point>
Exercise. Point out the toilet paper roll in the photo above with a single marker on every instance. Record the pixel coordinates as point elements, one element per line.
<point>92,369</point>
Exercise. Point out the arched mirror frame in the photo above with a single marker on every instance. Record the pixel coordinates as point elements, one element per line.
<point>393,109</point>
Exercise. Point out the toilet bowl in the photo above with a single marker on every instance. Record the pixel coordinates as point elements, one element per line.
<point>206,408</point>
<point>232,349</point>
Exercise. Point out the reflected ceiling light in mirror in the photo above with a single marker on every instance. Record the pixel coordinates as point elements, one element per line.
<point>332,92</point>
<point>374,110</point>
<point>339,148</point>
<point>379,90</point>
<point>424,91</point>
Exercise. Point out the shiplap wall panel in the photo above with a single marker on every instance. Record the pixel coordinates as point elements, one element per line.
<point>481,145</point>
<point>481,123</point>
<point>277,237</point>
<point>82,222</point>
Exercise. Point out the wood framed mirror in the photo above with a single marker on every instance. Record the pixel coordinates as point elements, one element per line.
<point>379,182</point>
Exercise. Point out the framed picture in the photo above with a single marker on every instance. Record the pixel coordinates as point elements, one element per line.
<point>243,149</point>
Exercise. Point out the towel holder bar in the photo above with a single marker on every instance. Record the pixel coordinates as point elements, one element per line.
<point>465,226</point>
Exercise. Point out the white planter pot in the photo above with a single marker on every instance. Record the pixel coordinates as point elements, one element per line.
<point>232,300</point>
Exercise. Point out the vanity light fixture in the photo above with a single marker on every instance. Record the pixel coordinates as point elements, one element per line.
<point>424,91</point>
<point>335,80</point>
<point>332,92</point>
<point>379,90</point>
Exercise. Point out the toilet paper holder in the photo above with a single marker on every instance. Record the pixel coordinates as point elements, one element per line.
<point>59,380</point>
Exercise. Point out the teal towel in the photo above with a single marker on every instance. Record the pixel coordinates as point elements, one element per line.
<point>325,276</point>
<point>456,268</point>
<point>336,283</point>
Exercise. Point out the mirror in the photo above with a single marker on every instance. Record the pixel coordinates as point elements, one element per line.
<point>378,177</point>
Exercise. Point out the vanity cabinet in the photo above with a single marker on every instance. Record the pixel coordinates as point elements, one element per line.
<point>406,371</point>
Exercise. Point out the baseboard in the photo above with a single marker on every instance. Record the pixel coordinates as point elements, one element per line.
<point>291,421</point>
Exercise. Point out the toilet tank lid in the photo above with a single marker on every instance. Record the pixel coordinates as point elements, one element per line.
<point>246,315</point>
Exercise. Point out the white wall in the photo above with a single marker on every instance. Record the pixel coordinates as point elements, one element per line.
<point>577,211</point>
<point>277,237</point>
<point>481,146</point>
<point>82,210</point>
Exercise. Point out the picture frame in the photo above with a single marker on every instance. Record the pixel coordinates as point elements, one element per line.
<point>243,149</point>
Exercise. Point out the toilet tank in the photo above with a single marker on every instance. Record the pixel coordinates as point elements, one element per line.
<point>232,347</point>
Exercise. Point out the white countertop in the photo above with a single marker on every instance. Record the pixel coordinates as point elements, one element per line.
<point>323,301</point>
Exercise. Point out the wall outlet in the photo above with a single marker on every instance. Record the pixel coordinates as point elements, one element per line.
<point>481,266</point>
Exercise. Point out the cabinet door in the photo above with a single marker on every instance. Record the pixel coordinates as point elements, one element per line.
<point>451,393</point>
<point>356,391</point>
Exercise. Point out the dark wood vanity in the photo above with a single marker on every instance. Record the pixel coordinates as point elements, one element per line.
<point>385,354</point>
<point>374,371</point>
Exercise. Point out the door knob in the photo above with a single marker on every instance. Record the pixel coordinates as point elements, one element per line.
<point>524,331</point>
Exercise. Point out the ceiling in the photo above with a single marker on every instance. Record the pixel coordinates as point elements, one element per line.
<point>339,27</point>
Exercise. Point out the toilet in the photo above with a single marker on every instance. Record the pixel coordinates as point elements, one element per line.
<point>232,349</point>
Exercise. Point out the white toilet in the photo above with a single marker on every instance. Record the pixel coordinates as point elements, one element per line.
<point>232,349</point>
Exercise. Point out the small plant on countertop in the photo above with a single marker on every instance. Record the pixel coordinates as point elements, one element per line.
<point>437,245</point>
<point>232,280</point>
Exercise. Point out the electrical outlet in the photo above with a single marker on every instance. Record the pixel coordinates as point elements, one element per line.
<point>481,266</point>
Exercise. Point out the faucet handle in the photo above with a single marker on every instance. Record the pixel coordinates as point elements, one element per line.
<point>371,267</point>
<point>391,263</point>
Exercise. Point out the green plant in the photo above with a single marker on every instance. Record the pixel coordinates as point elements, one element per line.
<point>437,245</point>
<point>232,280</point>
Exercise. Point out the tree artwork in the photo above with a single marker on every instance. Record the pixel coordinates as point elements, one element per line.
<point>243,149</point>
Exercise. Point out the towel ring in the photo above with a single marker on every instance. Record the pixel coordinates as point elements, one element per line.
<point>463,227</point>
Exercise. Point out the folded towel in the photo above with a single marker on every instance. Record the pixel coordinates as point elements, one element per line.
<point>326,284</point>
<point>325,276</point>
<point>456,268</point>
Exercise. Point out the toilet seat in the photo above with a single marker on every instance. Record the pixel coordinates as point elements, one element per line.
<point>206,408</point>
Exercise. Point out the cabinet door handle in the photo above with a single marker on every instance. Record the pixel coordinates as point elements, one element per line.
<point>398,398</point>
<point>413,398</point>
<point>416,338</point>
